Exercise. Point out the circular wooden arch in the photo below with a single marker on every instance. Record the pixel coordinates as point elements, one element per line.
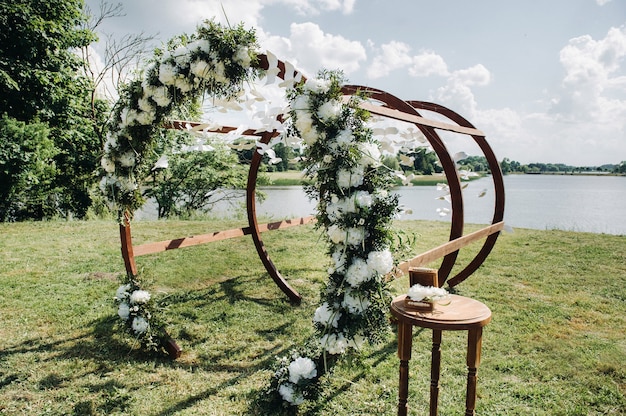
<point>394,108</point>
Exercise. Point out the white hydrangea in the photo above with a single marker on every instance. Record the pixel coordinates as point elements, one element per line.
<point>358,272</point>
<point>363,199</point>
<point>301,367</point>
<point>304,124</point>
<point>139,296</point>
<point>159,95</point>
<point>380,261</point>
<point>289,395</point>
<point>334,344</point>
<point>145,105</point>
<point>242,56</point>
<point>429,293</point>
<point>167,74</point>
<point>140,324</point>
<point>326,316</point>
<point>355,236</point>
<point>127,159</point>
<point>329,110</point>
<point>107,164</point>
<point>123,311</point>
<point>316,85</point>
<point>122,292</point>
<point>336,234</point>
<point>354,303</point>
<point>201,69</point>
<point>182,84</point>
<point>350,178</point>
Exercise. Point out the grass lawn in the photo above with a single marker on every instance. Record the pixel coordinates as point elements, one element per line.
<point>556,344</point>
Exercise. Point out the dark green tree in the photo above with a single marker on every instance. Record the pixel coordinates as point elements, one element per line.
<point>42,81</point>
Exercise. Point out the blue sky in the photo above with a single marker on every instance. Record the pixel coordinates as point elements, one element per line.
<point>545,80</point>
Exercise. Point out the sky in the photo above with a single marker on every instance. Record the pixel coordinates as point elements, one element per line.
<point>545,80</point>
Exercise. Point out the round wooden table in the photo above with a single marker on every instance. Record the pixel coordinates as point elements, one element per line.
<point>460,314</point>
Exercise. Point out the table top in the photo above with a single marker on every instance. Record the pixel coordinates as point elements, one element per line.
<point>460,313</point>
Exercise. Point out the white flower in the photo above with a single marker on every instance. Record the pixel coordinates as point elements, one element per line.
<point>288,395</point>
<point>380,261</point>
<point>126,184</point>
<point>355,304</point>
<point>348,179</point>
<point>339,259</point>
<point>344,137</point>
<point>429,293</point>
<point>318,86</point>
<point>301,367</point>
<point>329,110</point>
<point>201,69</point>
<point>304,124</point>
<point>242,57</point>
<point>140,324</point>
<point>167,74</point>
<point>355,236</point>
<point>334,344</point>
<point>122,292</point>
<point>326,316</point>
<point>181,55</point>
<point>107,164</point>
<point>160,95</point>
<point>182,84</point>
<point>145,105</point>
<point>123,311</point>
<point>358,272</point>
<point>336,234</point>
<point>139,296</point>
<point>110,143</point>
<point>127,159</point>
<point>363,199</point>
<point>370,154</point>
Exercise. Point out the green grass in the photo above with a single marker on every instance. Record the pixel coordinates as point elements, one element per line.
<point>556,345</point>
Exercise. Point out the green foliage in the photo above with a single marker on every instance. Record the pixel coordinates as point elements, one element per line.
<point>189,183</point>
<point>40,81</point>
<point>27,170</point>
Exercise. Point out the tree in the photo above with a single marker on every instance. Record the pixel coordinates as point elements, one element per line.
<point>191,180</point>
<point>41,83</point>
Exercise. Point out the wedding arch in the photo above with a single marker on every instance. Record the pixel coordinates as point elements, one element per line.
<point>355,206</point>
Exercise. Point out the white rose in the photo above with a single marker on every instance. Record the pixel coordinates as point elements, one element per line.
<point>380,261</point>
<point>329,110</point>
<point>123,311</point>
<point>301,367</point>
<point>140,324</point>
<point>336,234</point>
<point>326,316</point>
<point>318,86</point>
<point>357,273</point>
<point>363,199</point>
<point>139,296</point>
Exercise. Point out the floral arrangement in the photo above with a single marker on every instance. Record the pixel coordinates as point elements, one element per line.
<point>354,210</point>
<point>419,293</point>
<point>216,61</point>
<point>135,307</point>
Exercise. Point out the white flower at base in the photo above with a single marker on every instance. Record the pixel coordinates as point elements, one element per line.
<point>139,296</point>
<point>288,395</point>
<point>334,344</point>
<point>301,367</point>
<point>122,292</point>
<point>140,324</point>
<point>123,311</point>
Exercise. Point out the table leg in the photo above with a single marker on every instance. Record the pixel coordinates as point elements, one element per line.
<point>474,345</point>
<point>435,370</point>
<point>405,342</point>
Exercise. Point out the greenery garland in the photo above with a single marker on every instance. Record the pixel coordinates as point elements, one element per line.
<point>216,61</point>
<point>355,210</point>
<point>343,161</point>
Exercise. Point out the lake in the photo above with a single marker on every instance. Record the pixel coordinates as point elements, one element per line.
<point>594,204</point>
<point>565,202</point>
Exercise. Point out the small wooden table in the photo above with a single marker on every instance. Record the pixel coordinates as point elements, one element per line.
<point>460,314</point>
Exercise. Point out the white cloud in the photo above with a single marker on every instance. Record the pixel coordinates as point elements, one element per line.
<point>310,49</point>
<point>428,63</point>
<point>475,75</point>
<point>391,56</point>
<point>315,7</point>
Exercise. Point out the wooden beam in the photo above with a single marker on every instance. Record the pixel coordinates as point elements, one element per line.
<point>411,118</point>
<point>450,247</point>
<point>157,247</point>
